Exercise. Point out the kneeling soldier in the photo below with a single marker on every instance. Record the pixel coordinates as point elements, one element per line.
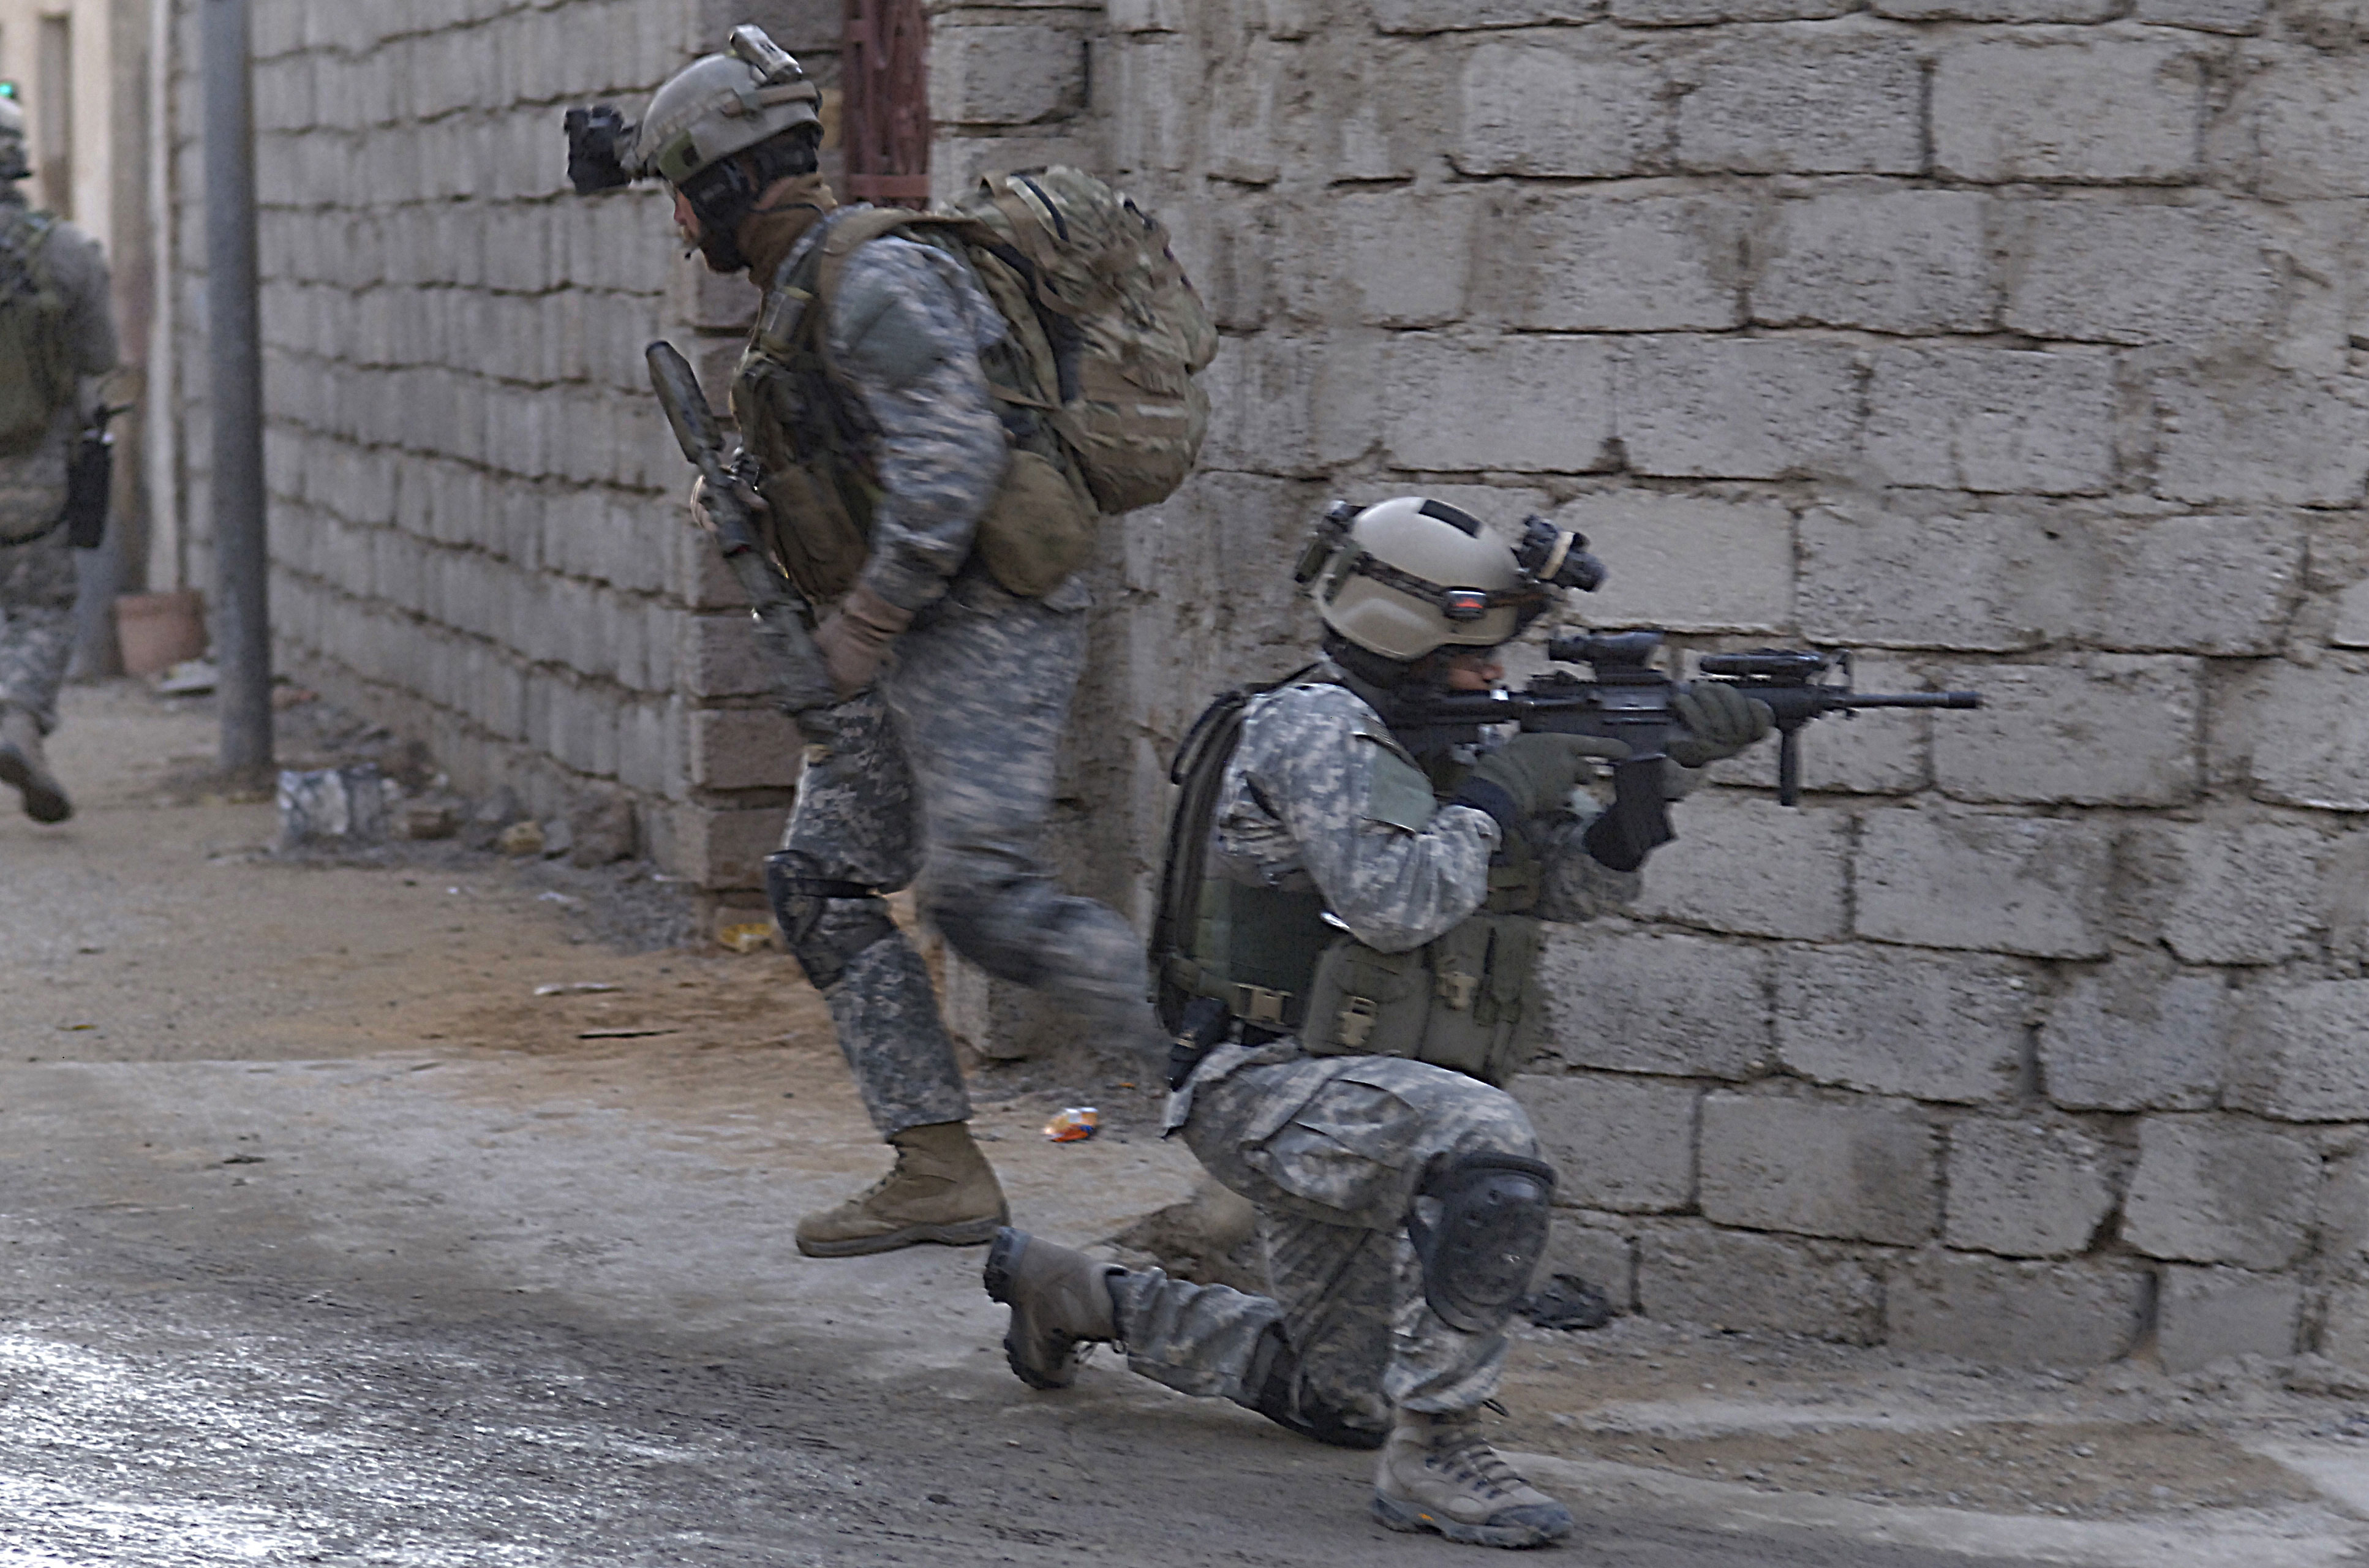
<point>1360,958</point>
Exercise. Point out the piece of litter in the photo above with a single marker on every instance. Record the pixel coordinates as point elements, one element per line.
<point>1074,1124</point>
<point>77,1028</point>
<point>557,898</point>
<point>624,1034</point>
<point>243,1160</point>
<point>574,986</point>
<point>191,678</point>
<point>520,839</point>
<point>745,938</point>
<point>348,804</point>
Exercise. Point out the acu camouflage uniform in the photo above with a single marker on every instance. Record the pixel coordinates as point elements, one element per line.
<point>37,571</point>
<point>943,774</point>
<point>1331,1149</point>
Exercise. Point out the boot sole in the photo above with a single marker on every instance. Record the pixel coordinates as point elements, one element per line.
<point>42,804</point>
<point>997,1277</point>
<point>1409,1519</point>
<point>968,1233</point>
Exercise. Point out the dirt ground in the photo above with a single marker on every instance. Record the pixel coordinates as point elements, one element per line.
<point>324,1237</point>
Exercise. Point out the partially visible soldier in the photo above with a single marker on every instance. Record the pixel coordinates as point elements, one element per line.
<point>57,336</point>
<point>1370,920</point>
<point>873,446</point>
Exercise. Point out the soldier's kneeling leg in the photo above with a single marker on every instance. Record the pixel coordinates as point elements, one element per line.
<point>1479,1225</point>
<point>1276,1390</point>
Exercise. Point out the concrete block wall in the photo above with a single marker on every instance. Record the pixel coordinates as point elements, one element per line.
<point>477,525</point>
<point>2015,345</point>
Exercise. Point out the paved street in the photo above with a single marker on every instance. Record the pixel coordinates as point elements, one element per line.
<point>323,1240</point>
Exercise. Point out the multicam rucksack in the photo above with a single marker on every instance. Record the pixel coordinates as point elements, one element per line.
<point>1095,377</point>
<point>35,368</point>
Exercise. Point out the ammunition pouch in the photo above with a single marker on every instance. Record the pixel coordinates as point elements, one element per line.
<point>1463,1001</point>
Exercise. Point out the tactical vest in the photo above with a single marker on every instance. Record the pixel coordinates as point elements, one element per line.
<point>36,360</point>
<point>1281,962</point>
<point>815,444</point>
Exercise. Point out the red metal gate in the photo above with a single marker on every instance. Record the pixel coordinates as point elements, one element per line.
<point>884,113</point>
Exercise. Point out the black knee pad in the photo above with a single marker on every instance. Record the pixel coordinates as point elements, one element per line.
<point>1479,1255</point>
<point>824,921</point>
<point>982,924</point>
<point>1273,1389</point>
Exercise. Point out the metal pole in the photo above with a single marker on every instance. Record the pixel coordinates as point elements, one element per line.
<point>234,349</point>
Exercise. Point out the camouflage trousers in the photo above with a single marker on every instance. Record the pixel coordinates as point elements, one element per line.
<point>1330,1151</point>
<point>941,778</point>
<point>37,598</point>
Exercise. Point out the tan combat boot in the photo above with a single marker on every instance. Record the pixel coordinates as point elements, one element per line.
<point>942,1190</point>
<point>22,764</point>
<point>1060,1299</point>
<point>1437,1473</point>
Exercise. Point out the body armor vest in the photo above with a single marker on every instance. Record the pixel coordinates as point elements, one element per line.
<point>1282,964</point>
<point>36,361</point>
<point>815,443</point>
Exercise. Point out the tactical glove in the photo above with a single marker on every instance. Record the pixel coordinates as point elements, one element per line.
<point>1531,774</point>
<point>856,637</point>
<point>1721,721</point>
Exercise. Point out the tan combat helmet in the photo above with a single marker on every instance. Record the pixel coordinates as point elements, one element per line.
<point>1405,577</point>
<point>723,104</point>
<point>12,165</point>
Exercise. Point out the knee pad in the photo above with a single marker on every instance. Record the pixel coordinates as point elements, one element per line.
<point>1491,1229</point>
<point>1273,1389</point>
<point>993,925</point>
<point>824,921</point>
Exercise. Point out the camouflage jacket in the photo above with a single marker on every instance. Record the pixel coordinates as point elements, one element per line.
<point>33,483</point>
<point>1298,806</point>
<point>906,327</point>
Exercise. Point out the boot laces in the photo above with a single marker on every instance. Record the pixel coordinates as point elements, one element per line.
<point>1468,1458</point>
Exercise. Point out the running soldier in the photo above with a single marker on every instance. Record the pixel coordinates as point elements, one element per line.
<point>1362,954</point>
<point>57,336</point>
<point>872,448</point>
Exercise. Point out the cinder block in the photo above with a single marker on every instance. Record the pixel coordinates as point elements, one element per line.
<point>1012,74</point>
<point>1622,1143</point>
<point>744,749</point>
<point>1699,13</point>
<point>2024,885</point>
<point>1734,1280</point>
<point>2344,1331</point>
<point>2136,1036</point>
<point>1655,544</point>
<point>1999,10</point>
<point>2107,270</point>
<point>1296,405</point>
<point>2204,1315</point>
<point>1654,1001</point>
<point>721,657</point>
<point>1925,1025</point>
<point>2340,1219</point>
<point>2221,1189</point>
<point>1556,109</point>
<point>2351,629</point>
<point>2022,1314</point>
<point>2205,16</point>
<point>1394,283</point>
<point>1579,261</point>
<point>1736,408</point>
<point>2311,742</point>
<point>1988,583</point>
<point>1804,104</point>
<point>1745,864</point>
<point>2295,134</point>
<point>1864,1171</point>
<point>723,851</point>
<point>2263,436</point>
<point>1597,1247</point>
<point>2012,108</point>
<point>1888,261</point>
<point>1457,16</point>
<point>1993,419</point>
<point>2228,893</point>
<point>2211,585</point>
<point>1526,404</point>
<point>2297,1055</point>
<point>2025,1189</point>
<point>2114,729</point>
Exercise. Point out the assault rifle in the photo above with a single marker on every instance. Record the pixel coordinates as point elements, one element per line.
<point>1633,701</point>
<point>782,617</point>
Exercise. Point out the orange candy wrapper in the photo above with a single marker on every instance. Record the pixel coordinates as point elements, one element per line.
<point>1075,1125</point>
